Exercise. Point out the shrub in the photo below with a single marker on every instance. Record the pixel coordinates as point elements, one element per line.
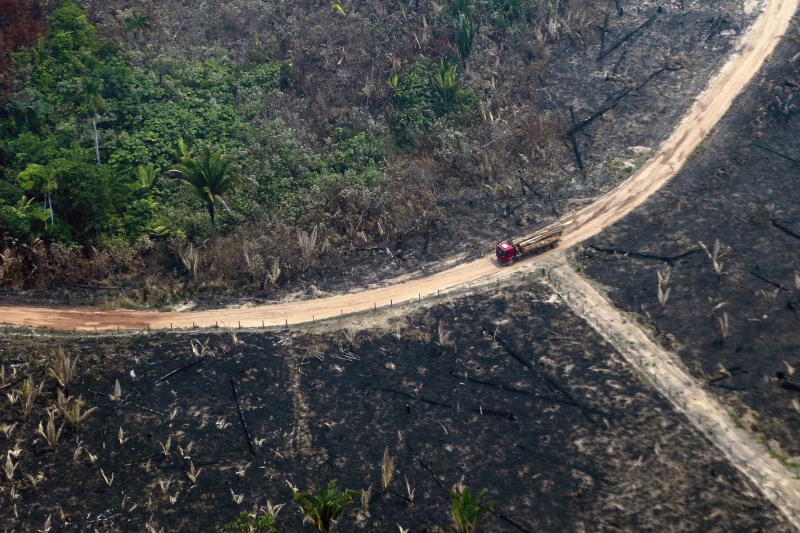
<point>324,509</point>
<point>468,511</point>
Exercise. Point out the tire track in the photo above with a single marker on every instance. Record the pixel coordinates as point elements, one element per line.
<point>665,371</point>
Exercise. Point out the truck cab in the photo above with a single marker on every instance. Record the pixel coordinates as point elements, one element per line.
<point>505,252</point>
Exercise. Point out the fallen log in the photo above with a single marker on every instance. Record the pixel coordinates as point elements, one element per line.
<point>642,255</point>
<point>773,283</point>
<point>241,417</point>
<point>785,229</point>
<point>642,26</point>
<point>181,369</point>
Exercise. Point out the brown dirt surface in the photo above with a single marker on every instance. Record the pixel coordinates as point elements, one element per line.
<point>574,441</point>
<point>754,47</point>
<point>741,191</point>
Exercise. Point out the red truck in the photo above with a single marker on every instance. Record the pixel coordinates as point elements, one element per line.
<point>536,243</point>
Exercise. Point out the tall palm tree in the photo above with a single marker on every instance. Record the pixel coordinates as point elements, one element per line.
<point>90,94</point>
<point>138,23</point>
<point>206,173</point>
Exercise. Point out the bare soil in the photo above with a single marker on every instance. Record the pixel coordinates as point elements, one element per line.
<point>574,442</point>
<point>739,191</point>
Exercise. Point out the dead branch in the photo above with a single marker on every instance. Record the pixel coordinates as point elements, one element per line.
<point>616,45</point>
<point>642,255</point>
<point>785,229</point>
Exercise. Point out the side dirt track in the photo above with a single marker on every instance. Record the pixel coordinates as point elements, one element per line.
<point>669,376</point>
<point>755,46</point>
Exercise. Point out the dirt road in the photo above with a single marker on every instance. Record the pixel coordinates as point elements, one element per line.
<point>666,372</point>
<point>754,47</point>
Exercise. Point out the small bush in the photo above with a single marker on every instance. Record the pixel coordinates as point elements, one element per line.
<point>250,522</point>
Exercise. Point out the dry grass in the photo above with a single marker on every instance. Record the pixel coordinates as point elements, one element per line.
<point>50,433</point>
<point>27,394</point>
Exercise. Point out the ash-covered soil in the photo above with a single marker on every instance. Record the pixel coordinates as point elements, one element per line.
<point>741,189</point>
<point>660,69</point>
<point>504,388</point>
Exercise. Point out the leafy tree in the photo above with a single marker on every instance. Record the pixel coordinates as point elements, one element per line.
<point>24,220</point>
<point>468,511</point>
<point>325,508</point>
<point>38,177</point>
<point>207,174</point>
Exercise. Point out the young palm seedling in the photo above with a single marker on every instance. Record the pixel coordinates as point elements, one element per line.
<point>409,490</point>
<point>324,509</point>
<point>241,469</point>
<point>272,510</point>
<point>50,434</point>
<point>63,369</point>
<point>387,470</point>
<point>108,480</point>
<point>724,326</point>
<point>663,287</point>
<point>365,496</point>
<point>8,429</point>
<point>9,467</point>
<point>27,395</point>
<point>467,510</point>
<point>116,394</point>
<point>192,473</point>
<point>443,336</point>
<point>165,447</point>
<point>73,412</point>
<point>715,256</point>
<point>238,498</point>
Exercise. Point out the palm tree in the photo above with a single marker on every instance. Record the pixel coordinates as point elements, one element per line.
<point>89,93</point>
<point>447,83</point>
<point>324,509</point>
<point>137,24</point>
<point>207,173</point>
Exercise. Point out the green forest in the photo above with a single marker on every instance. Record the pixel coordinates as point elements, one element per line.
<point>124,156</point>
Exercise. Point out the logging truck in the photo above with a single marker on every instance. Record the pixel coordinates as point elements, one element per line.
<point>535,243</point>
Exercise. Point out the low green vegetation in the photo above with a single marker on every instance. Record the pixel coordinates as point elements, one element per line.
<point>251,522</point>
<point>468,510</point>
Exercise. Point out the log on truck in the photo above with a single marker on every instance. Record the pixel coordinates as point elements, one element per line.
<point>533,243</point>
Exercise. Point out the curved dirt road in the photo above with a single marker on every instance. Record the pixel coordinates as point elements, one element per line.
<point>753,48</point>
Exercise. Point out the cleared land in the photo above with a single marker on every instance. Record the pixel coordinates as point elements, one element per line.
<point>573,441</point>
<point>734,326</point>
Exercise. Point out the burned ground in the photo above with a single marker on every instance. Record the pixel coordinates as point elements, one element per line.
<point>741,189</point>
<point>573,441</point>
